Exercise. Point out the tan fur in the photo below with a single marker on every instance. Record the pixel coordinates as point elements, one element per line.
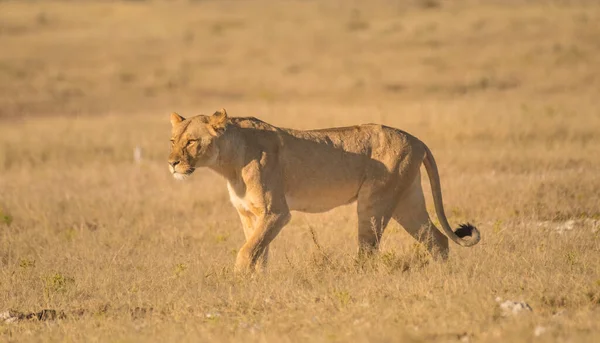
<point>271,171</point>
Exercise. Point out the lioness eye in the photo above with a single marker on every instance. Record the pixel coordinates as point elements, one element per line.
<point>172,142</point>
<point>190,142</point>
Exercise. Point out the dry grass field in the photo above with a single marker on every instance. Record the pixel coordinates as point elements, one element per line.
<point>505,93</point>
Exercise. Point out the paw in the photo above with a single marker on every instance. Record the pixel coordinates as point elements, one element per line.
<point>243,263</point>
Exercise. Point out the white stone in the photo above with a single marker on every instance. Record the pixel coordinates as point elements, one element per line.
<point>510,307</point>
<point>539,330</point>
<point>137,154</point>
<point>212,315</point>
<point>9,316</point>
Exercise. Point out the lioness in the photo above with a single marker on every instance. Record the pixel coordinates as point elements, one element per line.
<point>271,171</point>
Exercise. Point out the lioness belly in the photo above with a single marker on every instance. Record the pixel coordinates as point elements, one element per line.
<point>318,204</point>
<point>320,194</point>
<point>323,185</point>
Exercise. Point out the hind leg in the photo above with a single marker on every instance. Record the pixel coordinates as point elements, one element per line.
<point>374,207</point>
<point>412,214</point>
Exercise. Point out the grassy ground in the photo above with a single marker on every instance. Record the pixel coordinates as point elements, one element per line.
<point>504,93</point>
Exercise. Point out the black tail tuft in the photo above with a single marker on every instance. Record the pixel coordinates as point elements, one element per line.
<point>465,230</point>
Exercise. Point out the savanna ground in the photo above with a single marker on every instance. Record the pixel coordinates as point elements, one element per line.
<point>505,93</point>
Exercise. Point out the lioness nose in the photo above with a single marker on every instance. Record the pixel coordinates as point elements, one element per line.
<point>173,163</point>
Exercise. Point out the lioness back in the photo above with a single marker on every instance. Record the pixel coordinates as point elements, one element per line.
<point>332,164</point>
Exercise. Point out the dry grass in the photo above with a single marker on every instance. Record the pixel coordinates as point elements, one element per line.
<point>504,93</point>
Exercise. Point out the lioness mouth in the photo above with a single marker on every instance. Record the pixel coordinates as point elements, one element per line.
<point>184,175</point>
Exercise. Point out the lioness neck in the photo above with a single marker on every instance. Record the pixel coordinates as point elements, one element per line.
<point>231,155</point>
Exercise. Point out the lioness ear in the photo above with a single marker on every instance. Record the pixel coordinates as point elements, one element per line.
<point>217,122</point>
<point>176,119</point>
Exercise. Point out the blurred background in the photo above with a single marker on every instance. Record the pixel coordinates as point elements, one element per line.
<point>99,57</point>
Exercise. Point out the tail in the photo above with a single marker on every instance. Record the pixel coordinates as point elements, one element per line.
<point>466,235</point>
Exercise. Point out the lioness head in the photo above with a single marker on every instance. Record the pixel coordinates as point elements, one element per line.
<point>194,142</point>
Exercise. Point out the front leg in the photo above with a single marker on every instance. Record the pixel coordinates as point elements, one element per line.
<point>248,220</point>
<point>264,199</point>
<point>267,226</point>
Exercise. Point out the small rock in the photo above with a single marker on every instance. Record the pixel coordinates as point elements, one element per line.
<point>7,314</point>
<point>566,226</point>
<point>569,225</point>
<point>44,315</point>
<point>559,313</point>
<point>593,224</point>
<point>10,316</point>
<point>213,315</point>
<point>140,312</point>
<point>137,154</point>
<point>539,330</point>
<point>510,307</point>
<point>253,328</point>
<point>269,300</point>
